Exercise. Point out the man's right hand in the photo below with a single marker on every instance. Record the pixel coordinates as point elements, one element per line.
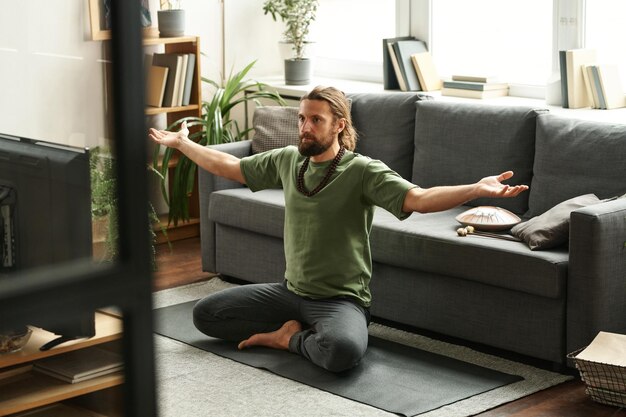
<point>169,139</point>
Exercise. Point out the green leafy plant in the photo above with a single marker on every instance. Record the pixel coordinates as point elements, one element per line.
<point>170,4</point>
<point>104,203</point>
<point>214,127</point>
<point>297,16</point>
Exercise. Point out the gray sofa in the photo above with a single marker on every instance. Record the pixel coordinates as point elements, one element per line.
<point>540,303</point>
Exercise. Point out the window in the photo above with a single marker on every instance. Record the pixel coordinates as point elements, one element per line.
<point>348,36</point>
<point>605,32</point>
<point>509,39</point>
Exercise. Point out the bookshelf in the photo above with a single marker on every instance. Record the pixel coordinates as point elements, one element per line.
<point>22,389</point>
<point>181,44</point>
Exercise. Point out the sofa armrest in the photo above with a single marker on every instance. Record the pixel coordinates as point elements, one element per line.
<point>596,286</point>
<point>207,183</point>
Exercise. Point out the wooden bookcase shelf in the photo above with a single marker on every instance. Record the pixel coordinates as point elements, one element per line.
<point>22,388</point>
<point>182,44</point>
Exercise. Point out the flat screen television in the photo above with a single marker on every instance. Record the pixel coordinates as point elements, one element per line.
<point>45,216</point>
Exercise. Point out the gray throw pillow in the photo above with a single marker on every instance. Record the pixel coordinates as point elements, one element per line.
<point>274,127</point>
<point>551,228</point>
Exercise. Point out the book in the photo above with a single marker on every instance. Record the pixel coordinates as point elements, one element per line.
<point>460,92</point>
<point>575,59</point>
<point>390,80</point>
<point>171,61</point>
<point>191,66</point>
<point>611,86</point>
<point>563,71</point>
<point>426,72</point>
<point>470,85</point>
<point>155,85</point>
<point>594,79</point>
<point>181,79</point>
<point>476,78</point>
<point>404,50</point>
<point>396,67</point>
<point>80,365</point>
<point>593,100</point>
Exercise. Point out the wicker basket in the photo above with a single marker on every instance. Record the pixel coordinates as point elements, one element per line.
<point>605,383</point>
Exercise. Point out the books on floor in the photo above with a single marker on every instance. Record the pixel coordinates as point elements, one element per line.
<point>80,365</point>
<point>180,74</point>
<point>397,54</point>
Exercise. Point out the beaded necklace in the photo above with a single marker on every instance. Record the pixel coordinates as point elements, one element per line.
<point>325,180</point>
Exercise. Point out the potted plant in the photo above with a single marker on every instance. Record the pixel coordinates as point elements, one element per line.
<point>297,16</point>
<point>215,126</point>
<point>104,208</point>
<point>171,19</point>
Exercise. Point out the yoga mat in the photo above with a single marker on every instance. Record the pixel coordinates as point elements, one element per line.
<point>392,377</point>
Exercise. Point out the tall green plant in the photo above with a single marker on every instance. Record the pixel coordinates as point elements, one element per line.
<point>214,127</point>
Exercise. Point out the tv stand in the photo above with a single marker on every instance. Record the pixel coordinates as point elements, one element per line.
<point>25,389</point>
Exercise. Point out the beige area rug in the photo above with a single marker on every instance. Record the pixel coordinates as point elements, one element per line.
<point>193,382</point>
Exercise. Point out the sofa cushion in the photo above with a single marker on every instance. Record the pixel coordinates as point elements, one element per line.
<point>551,228</point>
<point>576,157</point>
<point>429,242</point>
<point>385,123</point>
<point>262,212</point>
<point>460,143</point>
<point>274,127</point>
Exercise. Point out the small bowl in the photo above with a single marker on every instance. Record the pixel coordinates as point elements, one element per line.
<point>14,340</point>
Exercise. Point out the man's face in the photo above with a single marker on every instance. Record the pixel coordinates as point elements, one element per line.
<point>316,126</point>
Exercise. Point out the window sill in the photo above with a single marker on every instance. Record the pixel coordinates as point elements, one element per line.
<point>350,86</point>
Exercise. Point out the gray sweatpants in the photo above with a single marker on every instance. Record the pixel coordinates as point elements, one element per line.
<point>334,332</point>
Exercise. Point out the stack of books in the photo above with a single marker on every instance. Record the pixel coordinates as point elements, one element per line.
<point>80,365</point>
<point>408,66</point>
<point>586,83</point>
<point>169,78</point>
<point>602,367</point>
<point>473,86</point>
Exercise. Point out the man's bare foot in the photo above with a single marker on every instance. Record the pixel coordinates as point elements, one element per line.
<point>278,339</point>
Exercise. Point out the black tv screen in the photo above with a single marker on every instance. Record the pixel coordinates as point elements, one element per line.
<point>45,212</point>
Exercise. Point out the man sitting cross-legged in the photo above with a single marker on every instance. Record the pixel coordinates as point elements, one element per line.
<point>321,308</point>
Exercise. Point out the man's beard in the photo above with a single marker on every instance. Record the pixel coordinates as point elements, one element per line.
<point>314,147</point>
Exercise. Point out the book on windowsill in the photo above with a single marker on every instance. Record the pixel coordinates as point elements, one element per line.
<point>460,92</point>
<point>477,78</point>
<point>470,85</point>
<point>575,60</point>
<point>390,63</point>
<point>426,72</point>
<point>80,365</point>
<point>611,86</point>
<point>404,50</point>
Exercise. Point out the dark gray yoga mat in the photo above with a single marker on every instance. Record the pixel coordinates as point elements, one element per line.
<point>393,377</point>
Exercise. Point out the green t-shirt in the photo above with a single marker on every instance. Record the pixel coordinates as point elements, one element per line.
<point>327,235</point>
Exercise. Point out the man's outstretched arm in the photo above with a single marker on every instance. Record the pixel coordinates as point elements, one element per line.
<point>216,162</point>
<point>426,200</point>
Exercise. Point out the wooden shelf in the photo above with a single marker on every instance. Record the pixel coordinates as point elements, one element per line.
<point>155,40</point>
<point>184,230</point>
<point>31,389</point>
<point>160,110</point>
<point>22,388</point>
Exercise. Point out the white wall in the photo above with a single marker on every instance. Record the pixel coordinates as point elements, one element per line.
<point>52,74</point>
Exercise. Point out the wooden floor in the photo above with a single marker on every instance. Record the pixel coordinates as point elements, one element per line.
<point>181,265</point>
